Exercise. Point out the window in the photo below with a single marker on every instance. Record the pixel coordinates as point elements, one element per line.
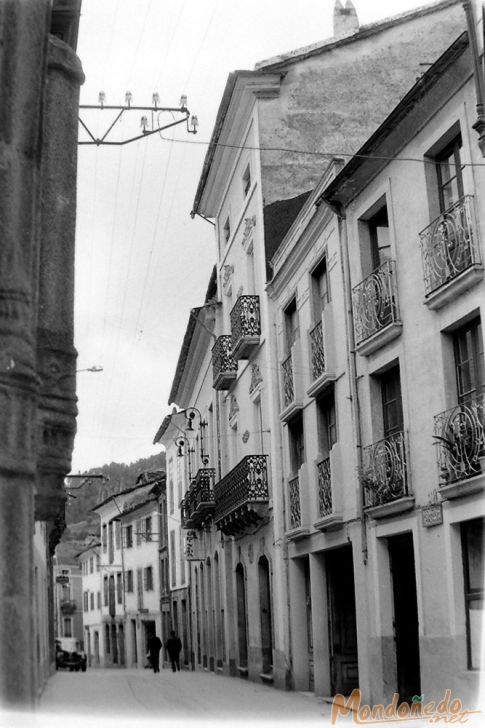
<point>449,170</point>
<point>98,600</point>
<point>473,566</point>
<point>129,581</point>
<point>173,564</point>
<point>98,563</point>
<point>327,427</point>
<point>129,537</point>
<point>105,591</point>
<point>86,601</point>
<point>91,565</point>
<point>391,402</point>
<point>148,578</point>
<point>139,532</point>
<point>320,292</point>
<point>296,443</point>
<point>148,528</point>
<point>181,557</point>
<point>291,324</point>
<point>67,627</point>
<point>119,589</point>
<point>91,600</point>
<point>118,534</point>
<point>469,361</point>
<point>104,538</point>
<point>171,495</point>
<point>111,554</point>
<point>380,246</point>
<point>226,230</point>
<point>246,179</point>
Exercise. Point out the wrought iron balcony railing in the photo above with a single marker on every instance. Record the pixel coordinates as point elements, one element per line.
<point>385,476</point>
<point>317,351</point>
<point>459,433</point>
<point>295,502</point>
<point>288,381</point>
<point>68,606</point>
<point>224,366</point>
<point>245,326</point>
<point>325,505</point>
<point>198,504</point>
<point>375,302</point>
<point>242,495</point>
<point>449,245</point>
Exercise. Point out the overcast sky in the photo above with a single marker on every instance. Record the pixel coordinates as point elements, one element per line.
<point>141,262</point>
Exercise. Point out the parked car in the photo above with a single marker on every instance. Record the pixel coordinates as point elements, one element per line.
<point>70,654</point>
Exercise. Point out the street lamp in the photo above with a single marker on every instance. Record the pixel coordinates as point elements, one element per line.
<point>91,369</point>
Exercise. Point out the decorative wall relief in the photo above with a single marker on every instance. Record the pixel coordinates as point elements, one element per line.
<point>256,378</point>
<point>233,407</point>
<point>249,223</point>
<point>227,279</point>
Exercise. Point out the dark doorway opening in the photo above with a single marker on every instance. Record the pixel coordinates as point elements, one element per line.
<point>406,632</point>
<point>344,669</point>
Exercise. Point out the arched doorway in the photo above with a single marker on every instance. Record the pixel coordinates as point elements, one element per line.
<point>241,616</point>
<point>265,615</point>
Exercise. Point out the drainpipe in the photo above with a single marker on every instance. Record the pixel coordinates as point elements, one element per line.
<point>479,125</point>
<point>352,368</point>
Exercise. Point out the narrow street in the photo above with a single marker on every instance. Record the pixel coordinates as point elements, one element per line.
<point>138,697</point>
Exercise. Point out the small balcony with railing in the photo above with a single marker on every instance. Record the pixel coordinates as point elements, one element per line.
<point>298,505</point>
<point>376,309</point>
<point>459,435</point>
<point>198,505</point>
<point>451,254</point>
<point>242,496</point>
<point>329,516</point>
<point>385,476</point>
<point>291,383</point>
<point>322,349</point>
<point>224,366</point>
<point>245,326</point>
<point>68,606</point>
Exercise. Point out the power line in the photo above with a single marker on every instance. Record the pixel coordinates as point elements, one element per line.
<point>329,155</point>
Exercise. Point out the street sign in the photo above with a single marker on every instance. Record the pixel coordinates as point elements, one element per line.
<point>62,579</point>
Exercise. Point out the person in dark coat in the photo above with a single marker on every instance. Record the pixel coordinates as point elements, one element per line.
<point>173,646</point>
<point>154,645</point>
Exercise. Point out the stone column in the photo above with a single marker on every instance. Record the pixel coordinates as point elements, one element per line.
<point>56,356</point>
<point>23,46</point>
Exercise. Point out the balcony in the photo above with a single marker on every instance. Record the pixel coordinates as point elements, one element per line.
<point>68,606</point>
<point>224,366</point>
<point>459,434</point>
<point>322,349</point>
<point>291,383</point>
<point>385,477</point>
<point>450,254</point>
<point>245,326</point>
<point>242,496</point>
<point>376,309</point>
<point>198,505</point>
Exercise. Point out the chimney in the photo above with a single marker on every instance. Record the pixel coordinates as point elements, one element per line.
<point>345,20</point>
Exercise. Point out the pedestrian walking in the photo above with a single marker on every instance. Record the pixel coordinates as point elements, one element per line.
<point>173,646</point>
<point>154,645</point>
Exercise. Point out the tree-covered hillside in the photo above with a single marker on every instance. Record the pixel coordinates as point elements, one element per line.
<point>81,522</point>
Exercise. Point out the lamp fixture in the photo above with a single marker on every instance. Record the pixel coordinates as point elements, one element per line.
<point>151,121</point>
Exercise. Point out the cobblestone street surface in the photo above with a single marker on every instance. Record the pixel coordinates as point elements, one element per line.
<point>135,698</point>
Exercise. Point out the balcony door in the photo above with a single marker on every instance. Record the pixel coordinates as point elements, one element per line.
<point>469,362</point>
<point>241,616</point>
<point>392,416</point>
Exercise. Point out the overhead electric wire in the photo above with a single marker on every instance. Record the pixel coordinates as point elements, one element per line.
<point>330,155</point>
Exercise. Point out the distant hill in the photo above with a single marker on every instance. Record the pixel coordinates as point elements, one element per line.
<point>82,524</point>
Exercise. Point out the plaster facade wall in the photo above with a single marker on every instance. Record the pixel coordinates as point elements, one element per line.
<point>424,352</point>
<point>92,585</point>
<point>333,101</point>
